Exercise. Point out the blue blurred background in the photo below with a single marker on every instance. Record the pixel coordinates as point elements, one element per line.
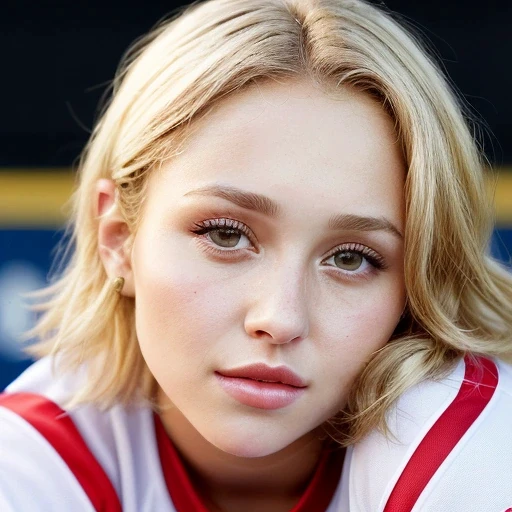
<point>57,61</point>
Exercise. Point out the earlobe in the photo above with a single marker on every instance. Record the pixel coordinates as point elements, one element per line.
<point>113,236</point>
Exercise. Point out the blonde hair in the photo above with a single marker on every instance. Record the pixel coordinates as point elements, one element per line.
<point>458,297</point>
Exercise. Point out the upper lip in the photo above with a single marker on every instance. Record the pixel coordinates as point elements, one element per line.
<point>265,373</point>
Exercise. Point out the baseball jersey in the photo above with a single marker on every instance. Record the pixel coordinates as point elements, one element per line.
<point>450,450</point>
<point>87,459</point>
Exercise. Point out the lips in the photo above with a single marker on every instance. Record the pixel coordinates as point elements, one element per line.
<point>263,373</point>
<point>261,386</point>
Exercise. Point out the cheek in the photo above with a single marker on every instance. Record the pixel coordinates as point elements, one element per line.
<point>364,318</point>
<point>181,304</point>
<point>361,324</point>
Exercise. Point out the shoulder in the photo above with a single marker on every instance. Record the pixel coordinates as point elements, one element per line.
<point>79,459</point>
<point>45,460</point>
<point>450,446</point>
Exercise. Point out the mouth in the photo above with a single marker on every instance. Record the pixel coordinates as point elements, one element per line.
<point>263,373</point>
<point>262,386</point>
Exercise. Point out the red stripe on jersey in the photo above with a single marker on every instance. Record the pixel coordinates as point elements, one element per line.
<point>316,497</point>
<point>476,391</point>
<point>58,429</point>
<point>323,485</point>
<point>179,486</point>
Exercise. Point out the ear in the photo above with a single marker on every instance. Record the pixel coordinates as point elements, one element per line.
<point>113,234</point>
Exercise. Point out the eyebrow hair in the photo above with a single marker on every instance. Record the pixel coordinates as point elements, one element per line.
<point>268,207</point>
<point>351,222</point>
<point>247,200</point>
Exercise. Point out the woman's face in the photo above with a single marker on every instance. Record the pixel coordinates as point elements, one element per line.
<point>273,239</point>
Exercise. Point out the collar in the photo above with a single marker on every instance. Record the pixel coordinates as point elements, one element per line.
<point>316,497</point>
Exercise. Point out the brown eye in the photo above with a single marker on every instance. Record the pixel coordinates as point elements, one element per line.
<point>227,238</point>
<point>348,260</point>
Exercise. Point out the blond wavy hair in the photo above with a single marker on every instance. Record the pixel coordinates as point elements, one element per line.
<point>458,298</point>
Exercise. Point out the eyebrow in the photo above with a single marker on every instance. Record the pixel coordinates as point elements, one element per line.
<point>351,222</point>
<point>268,207</point>
<point>247,200</point>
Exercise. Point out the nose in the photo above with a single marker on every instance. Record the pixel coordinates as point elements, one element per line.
<point>278,311</point>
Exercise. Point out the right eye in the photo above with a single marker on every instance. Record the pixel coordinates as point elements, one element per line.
<point>228,238</point>
<point>225,234</point>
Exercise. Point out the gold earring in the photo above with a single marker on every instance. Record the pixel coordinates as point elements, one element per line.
<point>118,284</point>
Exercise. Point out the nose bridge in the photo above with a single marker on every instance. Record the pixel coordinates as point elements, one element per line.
<point>280,309</point>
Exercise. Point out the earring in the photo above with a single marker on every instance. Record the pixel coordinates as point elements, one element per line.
<point>118,284</point>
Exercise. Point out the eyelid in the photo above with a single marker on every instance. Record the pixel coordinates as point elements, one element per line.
<point>372,256</point>
<point>225,223</point>
<point>205,226</point>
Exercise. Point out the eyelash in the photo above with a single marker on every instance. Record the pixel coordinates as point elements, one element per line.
<point>372,257</point>
<point>203,228</point>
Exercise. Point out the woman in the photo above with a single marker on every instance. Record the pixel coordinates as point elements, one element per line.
<point>280,238</point>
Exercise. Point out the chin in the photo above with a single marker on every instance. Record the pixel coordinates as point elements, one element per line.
<point>250,445</point>
<point>250,451</point>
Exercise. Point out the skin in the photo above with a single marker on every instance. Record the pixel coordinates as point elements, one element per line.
<point>278,295</point>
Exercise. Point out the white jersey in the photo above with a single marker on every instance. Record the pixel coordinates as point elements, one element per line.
<point>452,449</point>
<point>452,452</point>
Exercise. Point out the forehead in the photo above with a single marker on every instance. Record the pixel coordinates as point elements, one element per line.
<point>300,147</point>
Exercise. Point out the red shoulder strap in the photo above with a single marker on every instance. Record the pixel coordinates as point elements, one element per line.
<point>58,429</point>
<point>477,388</point>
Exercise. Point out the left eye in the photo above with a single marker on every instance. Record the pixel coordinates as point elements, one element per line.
<point>228,238</point>
<point>350,261</point>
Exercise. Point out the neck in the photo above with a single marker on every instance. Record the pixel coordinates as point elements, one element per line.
<point>228,483</point>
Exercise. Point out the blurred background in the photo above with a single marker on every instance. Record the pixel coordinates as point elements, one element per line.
<point>58,58</point>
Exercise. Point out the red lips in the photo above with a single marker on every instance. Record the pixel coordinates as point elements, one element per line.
<point>261,386</point>
<point>263,373</point>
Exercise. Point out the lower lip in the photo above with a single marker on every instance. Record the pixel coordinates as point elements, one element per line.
<point>261,395</point>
